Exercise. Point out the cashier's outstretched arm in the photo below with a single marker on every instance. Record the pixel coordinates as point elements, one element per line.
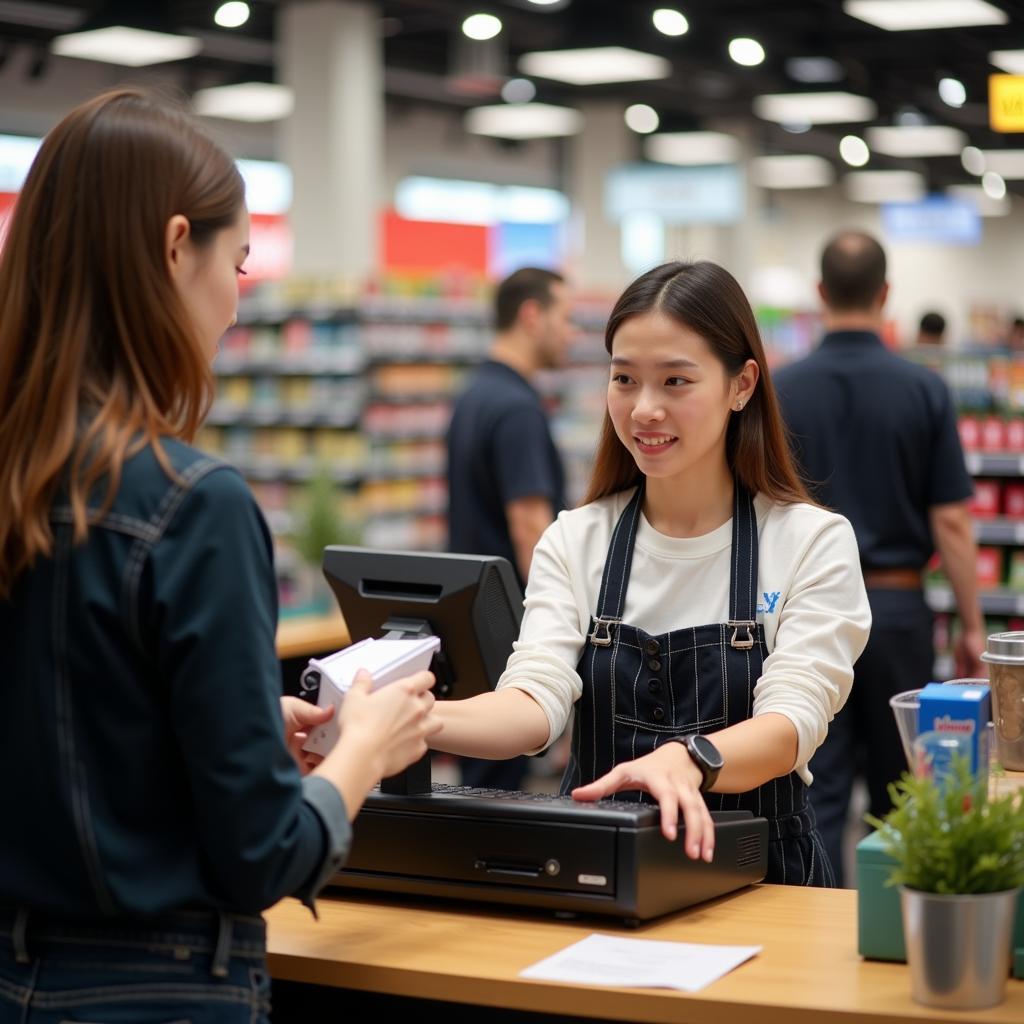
<point>498,724</point>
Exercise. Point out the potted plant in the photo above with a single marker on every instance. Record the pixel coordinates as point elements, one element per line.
<point>318,523</point>
<point>959,862</point>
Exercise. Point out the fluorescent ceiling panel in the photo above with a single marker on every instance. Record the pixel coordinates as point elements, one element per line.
<point>910,15</point>
<point>792,170</point>
<point>247,101</point>
<point>917,140</point>
<point>523,121</point>
<point>692,148</point>
<point>129,47</point>
<point>1010,61</point>
<point>884,186</point>
<point>595,66</point>
<point>814,108</point>
<point>1007,163</point>
<point>982,201</point>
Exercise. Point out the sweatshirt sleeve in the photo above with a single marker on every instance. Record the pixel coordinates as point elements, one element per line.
<point>544,658</point>
<point>264,831</point>
<point>823,627</point>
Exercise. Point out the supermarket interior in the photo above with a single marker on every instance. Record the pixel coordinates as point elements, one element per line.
<point>402,160</point>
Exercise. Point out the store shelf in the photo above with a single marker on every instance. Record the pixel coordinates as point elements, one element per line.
<point>999,531</point>
<point>341,419</point>
<point>995,463</point>
<point>298,471</point>
<point>1001,601</point>
<point>411,398</point>
<point>343,364</point>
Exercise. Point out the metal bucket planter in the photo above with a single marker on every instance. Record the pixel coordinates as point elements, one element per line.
<point>958,947</point>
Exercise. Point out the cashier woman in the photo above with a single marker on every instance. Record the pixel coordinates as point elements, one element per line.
<point>698,616</point>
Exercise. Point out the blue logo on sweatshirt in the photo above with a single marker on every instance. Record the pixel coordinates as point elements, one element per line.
<point>770,601</point>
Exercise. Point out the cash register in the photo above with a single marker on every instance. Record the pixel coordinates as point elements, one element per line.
<point>534,850</point>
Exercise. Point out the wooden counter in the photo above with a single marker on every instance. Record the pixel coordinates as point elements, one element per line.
<point>309,635</point>
<point>808,972</point>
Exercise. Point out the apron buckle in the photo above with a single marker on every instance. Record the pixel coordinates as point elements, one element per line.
<point>602,635</point>
<point>748,641</point>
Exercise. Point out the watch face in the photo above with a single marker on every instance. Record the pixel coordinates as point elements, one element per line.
<point>708,752</point>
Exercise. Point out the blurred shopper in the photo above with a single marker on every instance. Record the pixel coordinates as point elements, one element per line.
<point>876,437</point>
<point>931,330</point>
<point>1015,335</point>
<point>506,483</point>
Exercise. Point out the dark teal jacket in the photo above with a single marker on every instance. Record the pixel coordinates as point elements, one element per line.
<point>141,744</point>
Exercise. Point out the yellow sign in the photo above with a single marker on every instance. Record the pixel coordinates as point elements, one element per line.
<point>1006,103</point>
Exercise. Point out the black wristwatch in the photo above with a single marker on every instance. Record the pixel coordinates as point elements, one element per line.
<point>704,755</point>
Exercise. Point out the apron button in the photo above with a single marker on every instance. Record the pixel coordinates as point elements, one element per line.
<point>658,714</point>
<point>654,685</point>
<point>651,646</point>
<point>654,665</point>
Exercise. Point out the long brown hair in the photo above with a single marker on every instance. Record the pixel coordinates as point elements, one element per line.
<point>707,299</point>
<point>98,356</point>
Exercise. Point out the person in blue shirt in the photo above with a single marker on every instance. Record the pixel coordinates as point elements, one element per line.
<point>506,482</point>
<point>876,438</point>
<point>151,805</point>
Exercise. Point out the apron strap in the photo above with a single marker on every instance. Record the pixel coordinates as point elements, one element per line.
<point>612,598</point>
<point>743,577</point>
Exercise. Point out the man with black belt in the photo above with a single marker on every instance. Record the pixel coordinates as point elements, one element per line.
<point>876,438</point>
<point>505,478</point>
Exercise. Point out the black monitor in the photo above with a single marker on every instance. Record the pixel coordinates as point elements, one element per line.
<point>473,603</point>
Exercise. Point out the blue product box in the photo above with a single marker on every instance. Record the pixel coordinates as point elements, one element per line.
<point>963,711</point>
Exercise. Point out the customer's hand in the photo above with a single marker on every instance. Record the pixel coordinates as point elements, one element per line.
<point>671,777</point>
<point>394,721</point>
<point>299,717</point>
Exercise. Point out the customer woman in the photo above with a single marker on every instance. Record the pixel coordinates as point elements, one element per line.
<point>150,807</point>
<point>699,614</point>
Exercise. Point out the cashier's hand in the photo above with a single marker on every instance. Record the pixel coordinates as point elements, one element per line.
<point>398,719</point>
<point>970,645</point>
<point>671,777</point>
<point>299,716</point>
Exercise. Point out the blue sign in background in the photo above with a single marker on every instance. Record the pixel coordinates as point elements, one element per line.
<point>679,195</point>
<point>936,219</point>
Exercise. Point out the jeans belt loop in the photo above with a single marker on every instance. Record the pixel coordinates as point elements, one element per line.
<point>18,936</point>
<point>222,952</point>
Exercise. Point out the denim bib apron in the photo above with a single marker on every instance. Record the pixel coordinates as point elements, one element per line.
<point>639,689</point>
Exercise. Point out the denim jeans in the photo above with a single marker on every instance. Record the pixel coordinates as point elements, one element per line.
<point>184,968</point>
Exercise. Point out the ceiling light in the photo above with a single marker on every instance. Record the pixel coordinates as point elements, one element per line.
<point>692,148</point>
<point>595,66</point>
<point>545,3</point>
<point>814,70</point>
<point>231,15</point>
<point>854,150</point>
<point>523,121</point>
<point>796,127</point>
<point>917,140</point>
<point>481,26</point>
<point>792,170</point>
<point>952,92</point>
<point>670,22</point>
<point>747,52</point>
<point>981,200</point>
<point>973,160</point>
<point>642,118</point>
<point>1010,61</point>
<point>1007,163</point>
<point>910,15</point>
<point>129,47</point>
<point>247,101</point>
<point>884,186</point>
<point>993,184</point>
<point>518,90</point>
<point>815,108</point>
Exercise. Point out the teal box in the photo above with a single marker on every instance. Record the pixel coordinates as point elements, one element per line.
<point>962,711</point>
<point>879,917</point>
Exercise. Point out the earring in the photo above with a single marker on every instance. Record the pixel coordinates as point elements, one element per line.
<point>739,406</point>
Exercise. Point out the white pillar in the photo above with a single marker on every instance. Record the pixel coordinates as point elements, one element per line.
<point>604,144</point>
<point>331,56</point>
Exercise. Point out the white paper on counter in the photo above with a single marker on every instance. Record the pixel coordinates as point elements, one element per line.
<point>640,963</point>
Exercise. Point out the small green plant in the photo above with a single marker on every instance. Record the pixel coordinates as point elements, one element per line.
<point>318,522</point>
<point>948,838</point>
